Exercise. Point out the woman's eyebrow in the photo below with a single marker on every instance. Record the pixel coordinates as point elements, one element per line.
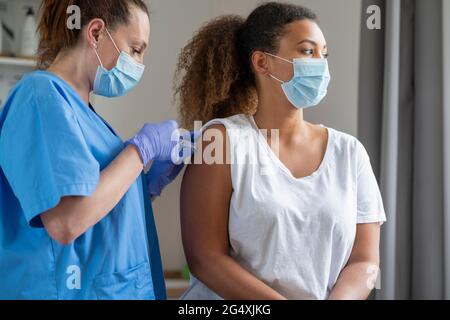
<point>140,43</point>
<point>311,42</point>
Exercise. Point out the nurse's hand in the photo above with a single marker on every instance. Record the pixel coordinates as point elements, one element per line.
<point>155,141</point>
<point>162,173</point>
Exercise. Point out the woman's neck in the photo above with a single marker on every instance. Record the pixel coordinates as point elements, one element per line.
<point>272,114</point>
<point>70,68</point>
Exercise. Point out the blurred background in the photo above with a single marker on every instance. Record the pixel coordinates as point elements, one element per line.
<point>388,88</point>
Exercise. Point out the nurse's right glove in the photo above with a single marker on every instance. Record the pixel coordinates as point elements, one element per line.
<point>154,141</point>
<point>161,174</point>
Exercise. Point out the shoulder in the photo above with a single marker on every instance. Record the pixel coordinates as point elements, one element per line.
<point>346,143</point>
<point>234,127</point>
<point>39,86</point>
<point>40,82</point>
<point>38,91</point>
<point>38,97</point>
<point>222,135</point>
<point>239,121</point>
<point>349,148</point>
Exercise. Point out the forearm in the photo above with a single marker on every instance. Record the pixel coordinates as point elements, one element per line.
<point>74,215</point>
<point>228,279</point>
<point>355,282</point>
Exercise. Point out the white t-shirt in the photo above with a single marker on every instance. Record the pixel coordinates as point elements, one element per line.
<point>296,235</point>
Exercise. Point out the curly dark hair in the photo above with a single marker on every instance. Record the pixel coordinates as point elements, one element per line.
<point>214,78</point>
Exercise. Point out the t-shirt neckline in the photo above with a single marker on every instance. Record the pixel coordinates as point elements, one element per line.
<point>282,166</point>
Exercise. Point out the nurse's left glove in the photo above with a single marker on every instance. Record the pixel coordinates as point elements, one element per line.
<point>162,173</point>
<point>156,142</point>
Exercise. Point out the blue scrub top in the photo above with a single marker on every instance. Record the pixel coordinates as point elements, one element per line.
<point>53,145</point>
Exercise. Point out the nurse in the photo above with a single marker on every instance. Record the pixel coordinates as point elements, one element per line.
<point>75,220</point>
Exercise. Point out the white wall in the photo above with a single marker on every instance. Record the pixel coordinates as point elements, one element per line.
<point>173,23</point>
<point>340,21</point>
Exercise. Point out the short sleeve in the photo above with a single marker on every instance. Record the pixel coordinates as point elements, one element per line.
<point>43,152</point>
<point>370,206</point>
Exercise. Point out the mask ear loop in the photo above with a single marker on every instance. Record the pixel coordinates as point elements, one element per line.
<point>275,78</point>
<point>94,45</point>
<point>274,56</point>
<point>114,43</point>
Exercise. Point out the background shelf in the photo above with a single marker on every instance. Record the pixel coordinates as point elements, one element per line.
<point>20,62</point>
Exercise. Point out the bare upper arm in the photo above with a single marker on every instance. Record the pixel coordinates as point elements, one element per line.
<point>205,198</point>
<point>367,244</point>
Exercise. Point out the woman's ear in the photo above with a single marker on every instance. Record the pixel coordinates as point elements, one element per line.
<point>94,31</point>
<point>260,63</point>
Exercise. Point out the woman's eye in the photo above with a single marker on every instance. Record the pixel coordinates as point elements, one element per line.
<point>136,51</point>
<point>326,55</point>
<point>308,51</point>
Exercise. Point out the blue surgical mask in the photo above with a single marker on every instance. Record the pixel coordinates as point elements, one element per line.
<point>119,80</point>
<point>310,83</point>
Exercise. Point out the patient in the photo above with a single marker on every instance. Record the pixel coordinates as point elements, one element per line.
<point>302,222</point>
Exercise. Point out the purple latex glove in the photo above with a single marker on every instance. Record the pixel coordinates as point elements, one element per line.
<point>154,141</point>
<point>162,173</point>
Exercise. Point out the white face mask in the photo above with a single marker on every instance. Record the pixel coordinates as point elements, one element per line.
<point>119,80</point>
<point>309,85</point>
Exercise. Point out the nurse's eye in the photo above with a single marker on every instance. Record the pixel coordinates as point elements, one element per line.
<point>136,51</point>
<point>326,55</point>
<point>308,52</point>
